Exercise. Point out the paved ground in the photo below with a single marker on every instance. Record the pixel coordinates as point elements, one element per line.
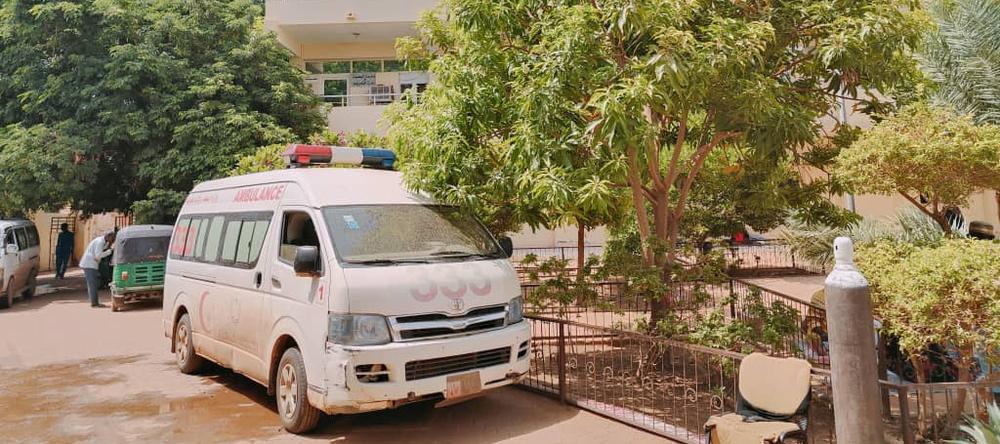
<point>71,373</point>
<point>799,287</point>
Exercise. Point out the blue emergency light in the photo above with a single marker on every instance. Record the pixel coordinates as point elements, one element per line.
<point>299,155</point>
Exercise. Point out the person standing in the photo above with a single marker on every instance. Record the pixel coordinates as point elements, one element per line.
<point>64,250</point>
<point>91,263</point>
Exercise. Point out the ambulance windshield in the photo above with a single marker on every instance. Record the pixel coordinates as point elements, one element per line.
<point>407,233</point>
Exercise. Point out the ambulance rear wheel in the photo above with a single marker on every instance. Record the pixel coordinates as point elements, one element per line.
<point>187,361</point>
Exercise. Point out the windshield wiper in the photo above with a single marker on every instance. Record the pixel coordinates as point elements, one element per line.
<point>386,261</point>
<point>455,254</point>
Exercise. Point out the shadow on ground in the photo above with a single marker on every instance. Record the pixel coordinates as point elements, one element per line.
<point>89,401</point>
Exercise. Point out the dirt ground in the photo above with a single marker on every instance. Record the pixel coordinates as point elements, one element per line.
<point>71,373</point>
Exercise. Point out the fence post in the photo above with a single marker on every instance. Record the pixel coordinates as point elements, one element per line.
<point>854,372</point>
<point>904,414</point>
<point>883,372</point>
<point>732,300</point>
<point>561,360</point>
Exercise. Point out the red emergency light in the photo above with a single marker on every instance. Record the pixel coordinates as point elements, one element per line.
<point>307,154</point>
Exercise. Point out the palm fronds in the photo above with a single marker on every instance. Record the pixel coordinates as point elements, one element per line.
<point>963,56</point>
<point>815,244</point>
<point>980,432</point>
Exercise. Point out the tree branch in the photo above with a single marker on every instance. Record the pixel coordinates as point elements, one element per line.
<point>653,151</point>
<point>638,201</point>
<point>675,157</point>
<point>698,161</point>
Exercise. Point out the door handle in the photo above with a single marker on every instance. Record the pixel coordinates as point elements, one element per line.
<point>275,283</point>
<point>257,279</point>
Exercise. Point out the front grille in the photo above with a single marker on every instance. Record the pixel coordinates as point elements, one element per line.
<point>433,325</point>
<point>429,368</point>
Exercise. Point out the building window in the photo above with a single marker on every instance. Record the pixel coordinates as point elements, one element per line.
<point>352,66</point>
<point>336,67</point>
<point>335,91</point>
<point>366,66</point>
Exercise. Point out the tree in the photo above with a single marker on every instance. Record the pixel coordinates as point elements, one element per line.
<point>943,294</point>
<point>102,101</point>
<point>929,155</point>
<point>644,90</point>
<point>961,57</point>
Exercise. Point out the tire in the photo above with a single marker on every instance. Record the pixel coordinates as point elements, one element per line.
<point>297,415</point>
<point>187,361</point>
<point>118,303</point>
<point>29,291</point>
<point>8,296</point>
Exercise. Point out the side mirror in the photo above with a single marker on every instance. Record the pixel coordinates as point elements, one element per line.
<point>11,249</point>
<point>305,261</point>
<point>506,245</point>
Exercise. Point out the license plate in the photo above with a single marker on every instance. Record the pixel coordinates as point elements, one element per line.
<point>460,386</point>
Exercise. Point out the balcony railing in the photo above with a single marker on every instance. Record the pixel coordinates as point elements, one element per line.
<point>339,100</point>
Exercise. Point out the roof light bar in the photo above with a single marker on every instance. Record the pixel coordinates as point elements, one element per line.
<point>299,155</point>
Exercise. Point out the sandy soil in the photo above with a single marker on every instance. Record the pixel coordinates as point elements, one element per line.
<point>71,373</point>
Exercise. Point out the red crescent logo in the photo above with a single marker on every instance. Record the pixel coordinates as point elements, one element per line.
<point>430,294</point>
<point>483,290</point>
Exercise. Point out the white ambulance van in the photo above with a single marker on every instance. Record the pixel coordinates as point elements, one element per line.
<point>340,291</point>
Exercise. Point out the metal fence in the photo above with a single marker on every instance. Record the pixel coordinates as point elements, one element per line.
<point>770,257</point>
<point>932,412</point>
<point>666,387</point>
<point>611,304</point>
<point>566,253</point>
<point>671,388</point>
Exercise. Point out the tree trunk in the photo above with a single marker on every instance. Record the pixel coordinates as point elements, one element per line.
<point>964,375</point>
<point>581,233</point>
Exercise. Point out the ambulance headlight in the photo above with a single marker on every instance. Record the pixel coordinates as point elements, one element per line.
<point>515,310</point>
<point>358,330</point>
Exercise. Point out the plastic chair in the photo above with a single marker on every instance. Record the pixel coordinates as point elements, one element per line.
<point>772,403</point>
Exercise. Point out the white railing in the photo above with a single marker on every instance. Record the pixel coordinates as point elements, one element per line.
<point>338,100</point>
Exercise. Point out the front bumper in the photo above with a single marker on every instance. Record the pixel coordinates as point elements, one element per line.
<point>344,393</point>
<point>136,290</point>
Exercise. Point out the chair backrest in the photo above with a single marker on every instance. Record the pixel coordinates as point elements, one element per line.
<point>778,386</point>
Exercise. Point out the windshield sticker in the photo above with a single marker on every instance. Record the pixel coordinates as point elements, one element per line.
<point>351,223</point>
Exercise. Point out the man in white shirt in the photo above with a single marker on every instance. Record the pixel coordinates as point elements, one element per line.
<point>91,263</point>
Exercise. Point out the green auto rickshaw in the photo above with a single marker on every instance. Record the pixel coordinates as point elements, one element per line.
<point>139,261</point>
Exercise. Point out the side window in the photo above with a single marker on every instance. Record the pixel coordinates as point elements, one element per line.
<point>243,245</point>
<point>199,245</point>
<point>230,240</point>
<point>179,238</point>
<point>192,238</point>
<point>297,229</point>
<point>251,241</point>
<point>214,239</point>
<point>8,238</point>
<point>257,242</point>
<point>32,236</point>
<point>22,238</point>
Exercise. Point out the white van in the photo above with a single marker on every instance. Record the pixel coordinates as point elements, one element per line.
<point>340,291</point>
<point>19,266</point>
